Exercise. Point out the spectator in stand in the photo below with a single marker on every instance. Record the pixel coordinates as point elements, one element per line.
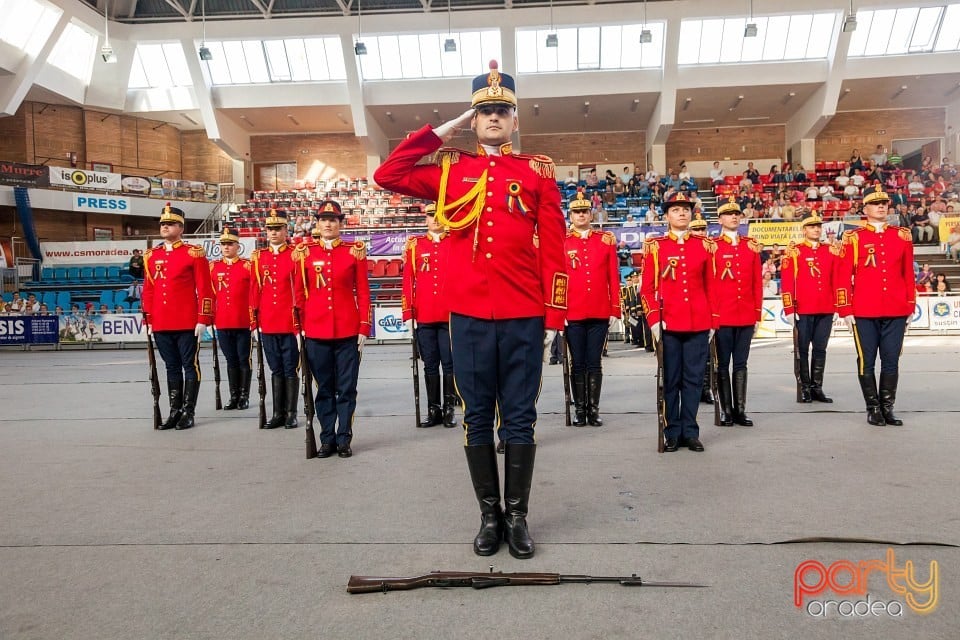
<point>629,222</point>
<point>771,288</point>
<point>953,244</point>
<point>571,180</point>
<point>749,212</point>
<point>716,174</point>
<point>135,266</point>
<point>796,197</point>
<point>878,157</point>
<point>811,193</point>
<point>624,255</point>
<point>745,184</point>
<point>940,284</point>
<point>787,172</point>
<point>920,226</point>
<point>103,309</point>
<point>775,177</point>
<point>926,167</point>
<point>118,309</point>
<point>842,181</point>
<point>609,197</point>
<point>800,175</point>
<point>58,310</point>
<point>826,193</point>
<point>32,305</point>
<point>769,264</point>
<point>134,292</point>
<point>940,186</point>
<point>851,191</point>
<point>752,174</point>
<point>857,178</point>
<point>18,304</point>
<point>596,203</point>
<point>44,310</point>
<point>924,276</point>
<point>916,186</point>
<point>894,160</point>
<point>593,180</point>
<point>788,211</point>
<point>626,175</point>
<point>610,176</point>
<point>874,175</point>
<point>619,188</point>
<point>856,162</point>
<point>651,176</point>
<point>892,183</point>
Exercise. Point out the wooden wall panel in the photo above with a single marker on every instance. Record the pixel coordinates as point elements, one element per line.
<point>733,143</point>
<point>158,149</point>
<point>335,155</point>
<point>13,136</point>
<point>57,131</point>
<point>864,130</point>
<point>203,160</point>
<point>104,142</point>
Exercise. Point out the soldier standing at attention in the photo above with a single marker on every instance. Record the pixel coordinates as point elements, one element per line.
<point>499,207</point>
<point>230,278</point>
<point>807,273</point>
<point>698,228</point>
<point>676,291</point>
<point>332,286</point>
<point>273,298</point>
<point>425,259</point>
<point>740,301</point>
<point>177,307</point>
<point>593,305</point>
<point>876,297</point>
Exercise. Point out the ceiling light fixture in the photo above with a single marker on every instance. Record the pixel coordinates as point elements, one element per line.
<point>389,115</point>
<point>204,52</point>
<point>736,103</point>
<point>899,91</point>
<point>449,45</point>
<point>686,103</point>
<point>753,118</point>
<point>645,36</point>
<point>359,48</point>
<point>750,31</point>
<point>850,22</point>
<point>536,109</point>
<point>635,104</point>
<point>106,52</point>
<point>552,41</point>
<point>586,109</point>
<point>700,121</point>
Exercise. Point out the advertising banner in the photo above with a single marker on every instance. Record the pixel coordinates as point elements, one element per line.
<point>136,185</point>
<point>107,327</point>
<point>211,247</point>
<point>944,313</point>
<point>100,203</point>
<point>15,174</point>
<point>947,224</point>
<point>921,313</point>
<point>388,324</point>
<point>29,329</point>
<point>775,233</point>
<point>116,252</point>
<point>773,318</point>
<point>83,179</point>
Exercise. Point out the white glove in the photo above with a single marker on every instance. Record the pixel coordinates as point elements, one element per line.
<point>792,319</point>
<point>909,320</point>
<point>149,330</point>
<point>360,340</point>
<point>408,326</point>
<point>710,335</point>
<point>835,316</point>
<point>548,337</point>
<point>450,128</point>
<point>199,329</point>
<point>850,322</point>
<point>613,321</point>
<point>655,330</point>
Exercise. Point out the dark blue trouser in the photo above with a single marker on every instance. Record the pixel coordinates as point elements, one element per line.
<point>335,366</point>
<point>814,328</point>
<point>684,361</point>
<point>179,350</point>
<point>235,344</point>
<point>586,338</point>
<point>282,353</point>
<point>885,335</point>
<point>733,342</point>
<point>433,341</point>
<point>498,374</point>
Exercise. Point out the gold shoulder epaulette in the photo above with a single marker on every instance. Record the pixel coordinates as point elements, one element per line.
<point>543,166</point>
<point>300,251</point>
<point>255,255</point>
<point>755,246</point>
<point>359,250</point>
<point>148,253</point>
<point>452,154</point>
<point>608,238</point>
<point>410,244</point>
<point>836,249</point>
<point>651,245</point>
<point>709,245</point>
<point>196,251</point>
<point>246,264</point>
<point>848,235</point>
<point>905,234</point>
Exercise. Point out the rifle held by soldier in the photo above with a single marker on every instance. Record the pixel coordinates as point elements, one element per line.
<point>154,380</point>
<point>661,402</point>
<point>566,378</point>
<point>261,378</point>
<point>307,383</point>
<point>216,371</point>
<point>415,365</point>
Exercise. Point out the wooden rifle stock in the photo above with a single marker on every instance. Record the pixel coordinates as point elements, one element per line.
<point>661,402</point>
<point>261,378</point>
<point>154,380</point>
<point>216,371</point>
<point>566,379</point>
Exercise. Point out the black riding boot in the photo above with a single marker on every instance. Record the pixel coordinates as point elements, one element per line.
<point>806,386</point>
<point>705,396</point>
<point>888,396</point>
<point>578,387</point>
<point>175,393</point>
<point>516,497</point>
<point>291,396</point>
<point>594,384</point>
<point>740,399</point>
<point>868,385</point>
<point>726,402</point>
<point>449,401</point>
<point>279,418</point>
<point>482,463</point>
<point>245,377</point>
<point>233,381</point>
<point>434,411</point>
<point>816,380</point>
<point>190,390</point>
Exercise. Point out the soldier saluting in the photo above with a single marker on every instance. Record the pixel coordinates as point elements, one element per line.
<point>504,290</point>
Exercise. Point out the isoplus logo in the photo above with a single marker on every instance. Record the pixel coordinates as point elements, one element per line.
<point>848,579</point>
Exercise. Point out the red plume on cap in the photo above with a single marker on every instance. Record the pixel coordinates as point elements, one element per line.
<point>494,65</point>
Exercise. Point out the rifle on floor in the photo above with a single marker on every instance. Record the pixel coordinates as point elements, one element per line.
<point>661,402</point>
<point>216,370</point>
<point>261,378</point>
<point>566,378</point>
<point>415,365</point>
<point>154,380</point>
<point>482,580</point>
<point>714,391</point>
<point>307,383</point>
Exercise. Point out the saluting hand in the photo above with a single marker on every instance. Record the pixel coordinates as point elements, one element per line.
<point>450,128</point>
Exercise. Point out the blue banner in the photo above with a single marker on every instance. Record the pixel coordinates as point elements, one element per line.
<point>29,329</point>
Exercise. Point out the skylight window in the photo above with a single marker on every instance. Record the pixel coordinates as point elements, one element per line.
<point>27,24</point>
<point>423,55</point>
<point>288,60</point>
<point>578,49</point>
<point>779,38</point>
<point>908,30</point>
<point>74,52</point>
<point>159,66</point>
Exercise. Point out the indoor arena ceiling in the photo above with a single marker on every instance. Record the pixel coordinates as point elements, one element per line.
<point>144,11</point>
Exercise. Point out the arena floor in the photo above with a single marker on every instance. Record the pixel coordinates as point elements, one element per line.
<point>110,529</point>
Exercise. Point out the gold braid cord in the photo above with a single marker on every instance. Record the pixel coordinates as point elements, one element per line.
<point>477,194</point>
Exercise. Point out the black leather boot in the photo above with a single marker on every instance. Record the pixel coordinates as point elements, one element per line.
<point>705,396</point>
<point>482,463</point>
<point>594,384</point>
<point>578,387</point>
<point>233,381</point>
<point>175,393</point>
<point>888,396</point>
<point>449,401</point>
<point>519,461</point>
<point>868,385</point>
<point>726,402</point>
<point>245,377</point>
<point>190,390</point>
<point>816,380</point>
<point>291,396</point>
<point>279,418</point>
<point>806,386</point>
<point>740,399</point>
<point>434,411</point>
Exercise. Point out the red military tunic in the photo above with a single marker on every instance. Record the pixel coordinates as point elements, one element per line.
<point>424,271</point>
<point>807,278</point>
<point>680,274</point>
<point>333,290</point>
<point>272,290</point>
<point>594,273</point>
<point>875,274</point>
<point>739,284</point>
<point>231,291</point>
<point>176,289</point>
<point>496,269</point>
